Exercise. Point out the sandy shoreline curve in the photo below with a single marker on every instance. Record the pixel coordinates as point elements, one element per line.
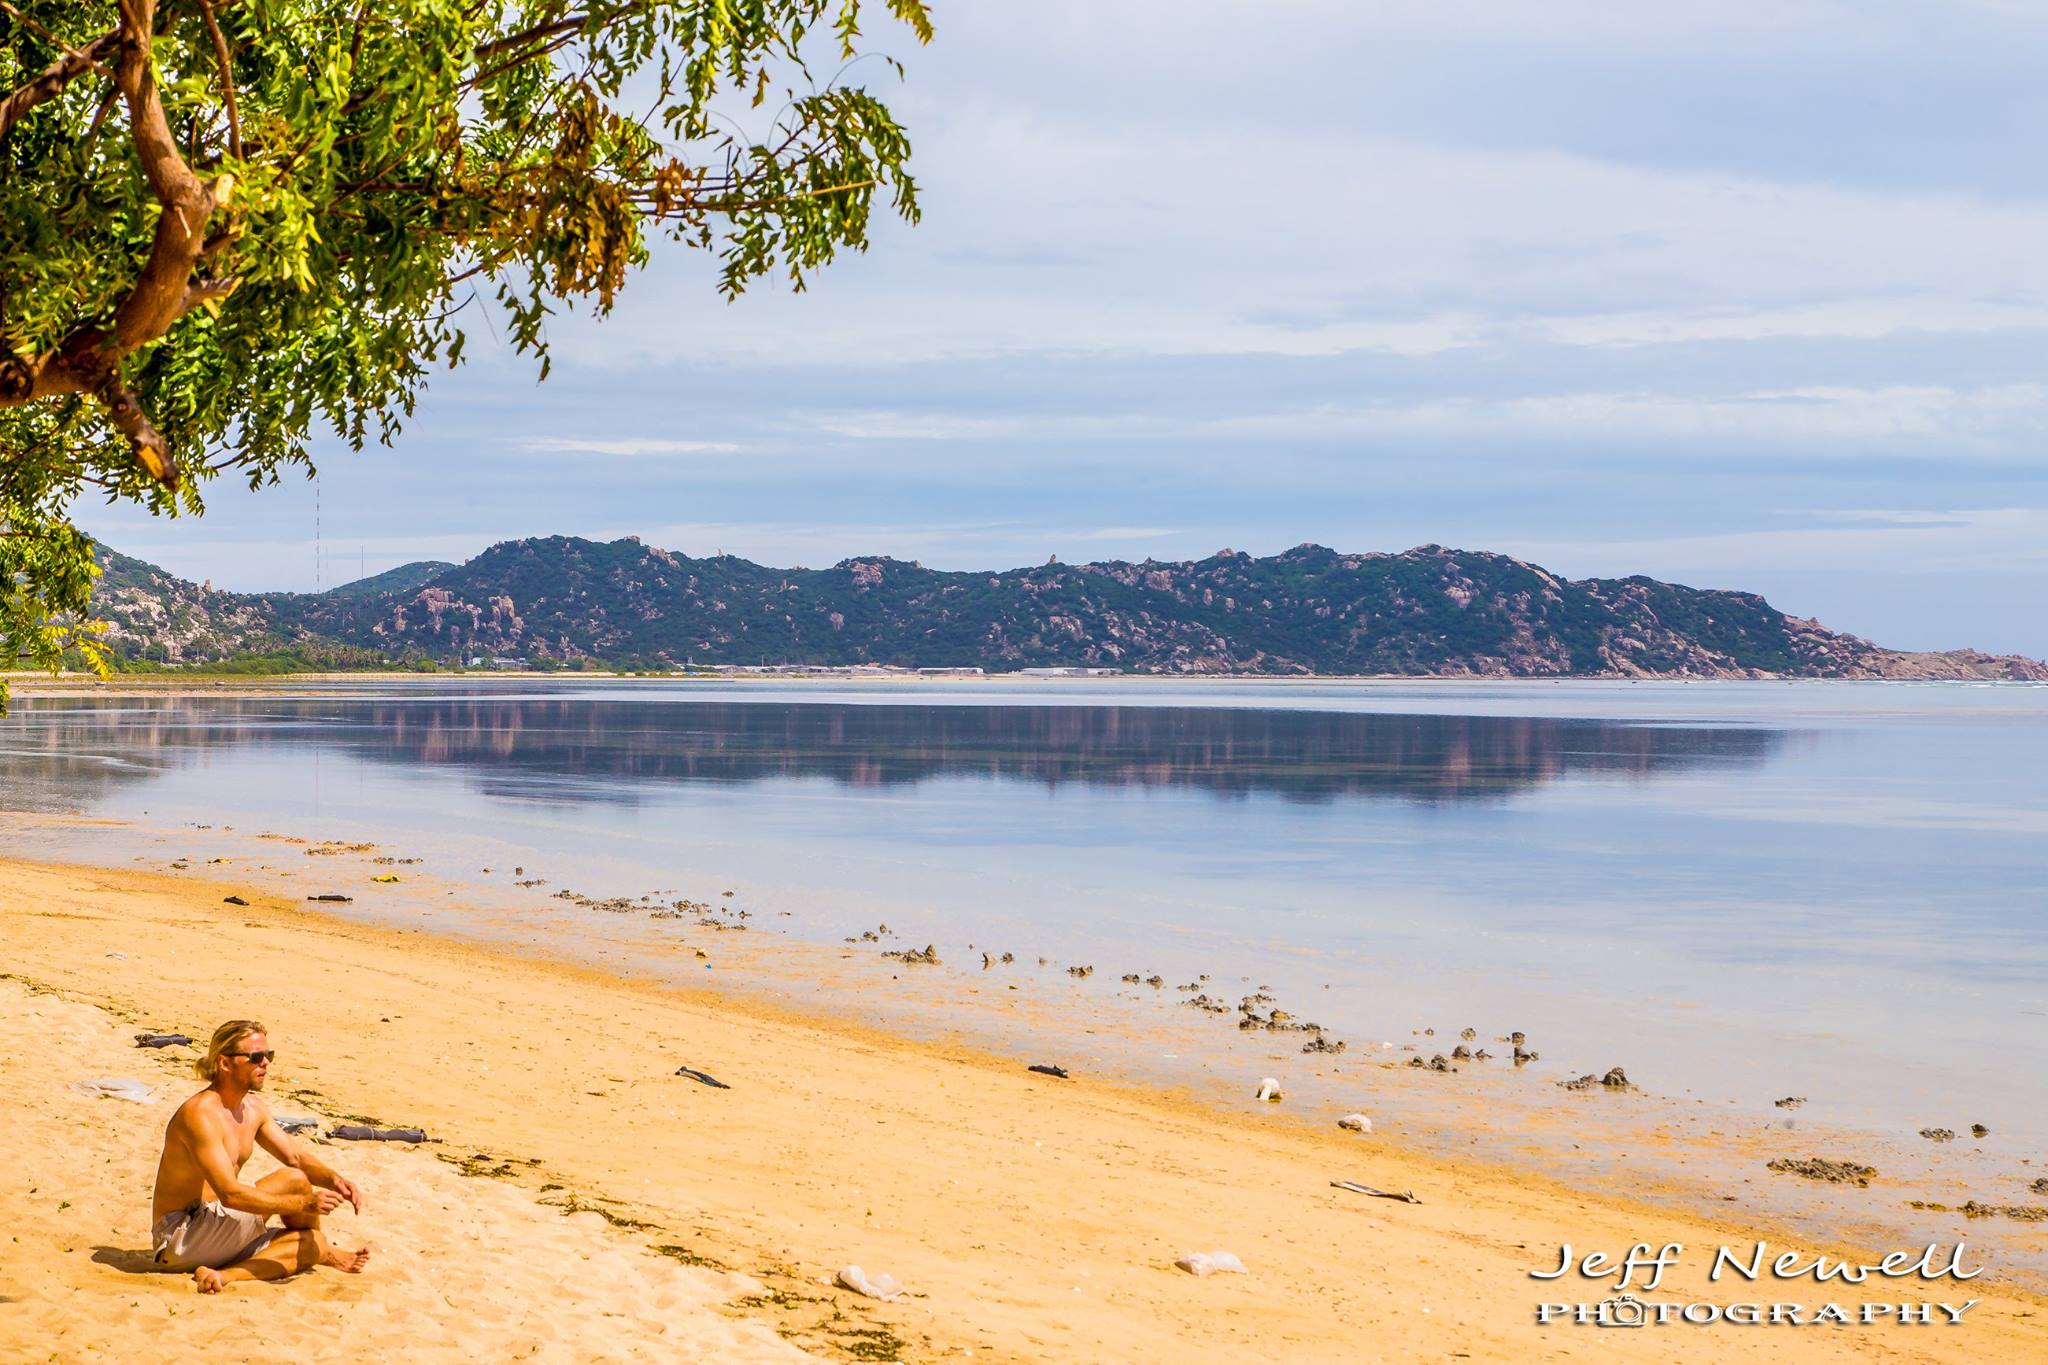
<point>1031,1218</point>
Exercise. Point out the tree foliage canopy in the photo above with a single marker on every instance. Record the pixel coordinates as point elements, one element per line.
<point>228,224</point>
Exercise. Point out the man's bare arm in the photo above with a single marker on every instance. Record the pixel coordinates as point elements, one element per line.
<point>208,1135</point>
<point>302,1157</point>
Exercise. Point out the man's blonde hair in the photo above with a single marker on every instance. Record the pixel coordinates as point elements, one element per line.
<point>224,1039</point>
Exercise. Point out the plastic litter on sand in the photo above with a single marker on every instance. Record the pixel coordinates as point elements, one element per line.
<point>883,1287</point>
<point>1211,1263</point>
<point>115,1088</point>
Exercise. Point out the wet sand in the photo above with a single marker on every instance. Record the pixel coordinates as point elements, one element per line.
<point>1031,1218</point>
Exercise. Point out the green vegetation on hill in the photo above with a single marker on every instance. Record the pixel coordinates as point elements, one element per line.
<point>305,657</point>
<point>404,578</point>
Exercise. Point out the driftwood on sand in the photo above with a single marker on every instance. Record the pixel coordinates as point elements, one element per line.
<point>1405,1196</point>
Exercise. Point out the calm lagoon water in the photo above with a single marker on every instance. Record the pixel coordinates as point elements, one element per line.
<point>1738,890</point>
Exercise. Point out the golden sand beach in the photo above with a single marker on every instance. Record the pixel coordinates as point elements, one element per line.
<point>586,1203</point>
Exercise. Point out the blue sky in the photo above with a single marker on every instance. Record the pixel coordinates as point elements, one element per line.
<point>1736,294</point>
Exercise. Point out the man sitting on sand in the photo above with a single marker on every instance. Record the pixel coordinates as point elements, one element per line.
<point>205,1219</point>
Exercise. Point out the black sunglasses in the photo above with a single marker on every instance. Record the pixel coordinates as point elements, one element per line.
<point>255,1058</point>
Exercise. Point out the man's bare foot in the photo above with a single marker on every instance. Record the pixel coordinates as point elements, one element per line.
<point>209,1280</point>
<point>350,1261</point>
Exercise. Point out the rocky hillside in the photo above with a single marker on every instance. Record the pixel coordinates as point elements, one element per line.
<point>1311,610</point>
<point>151,614</point>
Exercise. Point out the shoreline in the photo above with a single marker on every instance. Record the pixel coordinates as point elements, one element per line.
<point>927,1160</point>
<point>71,684</point>
<point>1698,1148</point>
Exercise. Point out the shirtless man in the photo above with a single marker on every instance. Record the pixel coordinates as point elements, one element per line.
<point>204,1218</point>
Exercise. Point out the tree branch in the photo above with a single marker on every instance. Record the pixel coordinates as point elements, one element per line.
<point>53,79</point>
<point>88,361</point>
<point>545,29</point>
<point>128,418</point>
<point>29,22</point>
<point>227,78</point>
<point>151,307</point>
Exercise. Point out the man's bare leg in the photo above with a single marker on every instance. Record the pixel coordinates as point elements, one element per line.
<point>288,1254</point>
<point>300,1247</point>
<point>287,1181</point>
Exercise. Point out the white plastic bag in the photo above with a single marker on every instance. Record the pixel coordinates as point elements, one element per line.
<point>884,1287</point>
<point>115,1088</point>
<point>1211,1263</point>
<point>1269,1089</point>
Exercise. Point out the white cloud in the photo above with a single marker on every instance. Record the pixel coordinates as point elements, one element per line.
<point>2010,418</point>
<point>587,445</point>
<point>1121,533</point>
<point>1857,419</point>
<point>1163,242</point>
<point>1994,540</point>
<point>885,424</point>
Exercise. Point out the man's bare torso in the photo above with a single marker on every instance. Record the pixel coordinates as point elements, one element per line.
<point>180,1182</point>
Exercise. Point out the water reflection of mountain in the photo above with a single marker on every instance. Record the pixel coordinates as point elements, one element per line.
<point>583,750</point>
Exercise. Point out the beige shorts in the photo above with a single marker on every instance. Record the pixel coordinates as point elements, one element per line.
<point>209,1234</point>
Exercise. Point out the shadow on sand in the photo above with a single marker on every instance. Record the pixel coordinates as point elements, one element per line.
<point>129,1261</point>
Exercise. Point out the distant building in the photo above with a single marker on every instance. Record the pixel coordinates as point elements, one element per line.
<point>509,663</point>
<point>1069,672</point>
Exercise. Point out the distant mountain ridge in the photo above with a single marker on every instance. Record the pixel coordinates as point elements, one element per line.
<point>1429,611</point>
<point>404,578</point>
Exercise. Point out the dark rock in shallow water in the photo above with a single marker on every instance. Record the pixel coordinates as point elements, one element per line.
<point>1616,1079</point>
<point>1979,1130</point>
<point>1825,1169</point>
<point>2025,1213</point>
<point>1938,1134</point>
<point>1790,1102</point>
